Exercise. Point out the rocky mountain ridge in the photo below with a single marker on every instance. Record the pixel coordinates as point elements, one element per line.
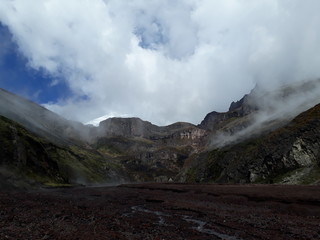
<point>254,141</point>
<point>119,150</point>
<point>290,154</point>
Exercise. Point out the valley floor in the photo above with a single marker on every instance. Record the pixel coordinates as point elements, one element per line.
<point>163,211</point>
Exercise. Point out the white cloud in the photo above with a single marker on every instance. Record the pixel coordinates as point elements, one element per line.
<point>164,60</point>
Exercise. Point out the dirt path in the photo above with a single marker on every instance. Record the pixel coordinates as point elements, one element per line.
<point>163,211</point>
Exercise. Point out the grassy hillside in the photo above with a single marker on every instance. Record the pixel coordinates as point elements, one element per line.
<point>29,160</point>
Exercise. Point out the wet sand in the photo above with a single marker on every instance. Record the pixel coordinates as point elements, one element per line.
<point>163,211</point>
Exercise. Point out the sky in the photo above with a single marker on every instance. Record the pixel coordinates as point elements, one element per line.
<point>160,60</point>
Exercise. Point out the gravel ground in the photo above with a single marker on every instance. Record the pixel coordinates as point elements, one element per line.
<point>163,211</point>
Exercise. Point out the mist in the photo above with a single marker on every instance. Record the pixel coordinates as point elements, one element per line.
<point>275,108</point>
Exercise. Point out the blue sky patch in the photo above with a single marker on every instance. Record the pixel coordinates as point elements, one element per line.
<point>17,77</point>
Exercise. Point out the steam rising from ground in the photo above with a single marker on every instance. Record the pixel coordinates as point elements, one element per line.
<point>166,60</point>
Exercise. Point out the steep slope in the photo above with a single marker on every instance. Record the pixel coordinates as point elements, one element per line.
<point>259,112</point>
<point>42,121</point>
<point>290,154</point>
<point>28,160</point>
<point>215,121</point>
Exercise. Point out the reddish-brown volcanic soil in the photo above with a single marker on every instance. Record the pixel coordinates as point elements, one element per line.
<point>163,211</point>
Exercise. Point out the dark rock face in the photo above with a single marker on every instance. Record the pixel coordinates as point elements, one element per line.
<point>149,152</point>
<point>215,120</point>
<point>126,127</point>
<point>288,154</point>
<point>177,134</point>
<point>245,105</point>
<point>234,119</point>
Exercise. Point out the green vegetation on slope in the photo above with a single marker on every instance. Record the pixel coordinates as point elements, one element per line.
<point>29,160</point>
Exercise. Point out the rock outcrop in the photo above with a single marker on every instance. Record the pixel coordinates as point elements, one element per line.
<point>177,134</point>
<point>149,152</point>
<point>238,111</point>
<point>276,157</point>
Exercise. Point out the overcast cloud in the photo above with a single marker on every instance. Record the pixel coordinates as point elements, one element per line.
<point>164,60</point>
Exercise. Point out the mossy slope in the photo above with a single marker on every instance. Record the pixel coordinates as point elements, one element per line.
<point>29,160</point>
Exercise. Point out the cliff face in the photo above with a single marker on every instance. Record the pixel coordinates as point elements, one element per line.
<point>149,152</point>
<point>177,134</point>
<point>289,154</point>
<point>215,121</point>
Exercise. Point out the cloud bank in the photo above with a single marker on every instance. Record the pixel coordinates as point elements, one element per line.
<point>164,60</point>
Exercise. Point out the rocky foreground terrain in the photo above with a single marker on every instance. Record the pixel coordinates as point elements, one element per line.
<point>163,211</point>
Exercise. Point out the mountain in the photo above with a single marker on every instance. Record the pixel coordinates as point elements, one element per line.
<point>147,151</point>
<point>262,140</point>
<point>260,112</point>
<point>40,147</point>
<point>264,137</point>
<point>29,160</point>
<point>41,121</point>
<point>289,154</point>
